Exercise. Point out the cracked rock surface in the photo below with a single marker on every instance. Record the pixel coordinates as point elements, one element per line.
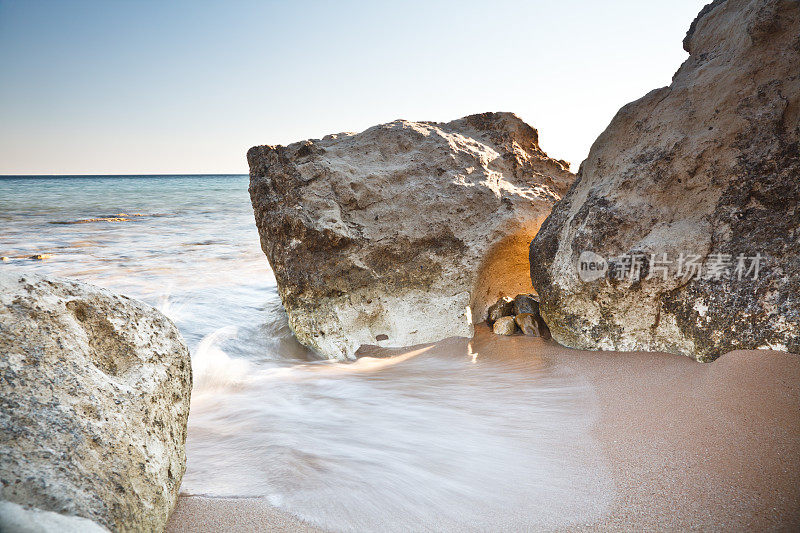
<point>94,399</point>
<point>404,233</point>
<point>708,167</point>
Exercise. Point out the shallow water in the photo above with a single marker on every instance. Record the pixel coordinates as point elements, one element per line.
<point>437,438</point>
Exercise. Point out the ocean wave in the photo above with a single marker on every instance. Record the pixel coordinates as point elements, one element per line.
<point>213,369</point>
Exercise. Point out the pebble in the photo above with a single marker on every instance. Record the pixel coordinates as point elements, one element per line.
<point>503,307</point>
<point>505,325</point>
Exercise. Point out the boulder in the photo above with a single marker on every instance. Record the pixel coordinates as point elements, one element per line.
<point>94,398</point>
<point>505,325</point>
<point>503,307</point>
<point>404,233</point>
<point>680,233</point>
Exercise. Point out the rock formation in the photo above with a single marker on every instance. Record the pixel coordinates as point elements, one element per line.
<point>686,209</point>
<point>404,233</point>
<point>94,396</point>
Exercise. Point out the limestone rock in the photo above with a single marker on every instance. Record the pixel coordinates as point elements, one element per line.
<point>708,167</point>
<point>505,325</point>
<point>94,398</point>
<point>503,307</point>
<point>408,229</point>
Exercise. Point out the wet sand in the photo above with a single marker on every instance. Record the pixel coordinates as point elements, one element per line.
<point>690,446</point>
<point>196,514</point>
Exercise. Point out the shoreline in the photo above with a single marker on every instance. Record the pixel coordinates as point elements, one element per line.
<point>689,445</point>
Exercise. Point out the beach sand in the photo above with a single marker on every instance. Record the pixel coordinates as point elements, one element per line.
<point>197,514</point>
<point>712,446</point>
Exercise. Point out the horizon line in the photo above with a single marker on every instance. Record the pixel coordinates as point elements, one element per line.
<point>124,175</point>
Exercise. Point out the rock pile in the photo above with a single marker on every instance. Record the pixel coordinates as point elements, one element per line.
<point>509,315</point>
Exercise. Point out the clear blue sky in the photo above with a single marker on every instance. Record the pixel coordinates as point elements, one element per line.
<point>167,86</point>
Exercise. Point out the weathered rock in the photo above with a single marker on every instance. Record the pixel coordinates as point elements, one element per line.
<point>94,398</point>
<point>708,166</point>
<point>503,307</point>
<point>526,303</point>
<point>408,229</point>
<point>505,325</point>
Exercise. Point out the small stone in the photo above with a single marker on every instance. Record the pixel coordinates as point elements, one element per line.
<point>40,257</point>
<point>503,307</point>
<point>526,303</point>
<point>505,325</point>
<point>5,259</point>
<point>527,323</point>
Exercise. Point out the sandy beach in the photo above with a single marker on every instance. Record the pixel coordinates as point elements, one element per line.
<point>197,514</point>
<point>712,446</point>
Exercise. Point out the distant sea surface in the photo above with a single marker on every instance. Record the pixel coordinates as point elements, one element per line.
<point>441,441</point>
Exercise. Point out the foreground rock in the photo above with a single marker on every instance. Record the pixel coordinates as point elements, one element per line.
<point>404,233</point>
<point>701,177</point>
<point>94,397</point>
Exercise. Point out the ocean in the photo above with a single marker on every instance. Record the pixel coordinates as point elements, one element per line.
<point>436,439</point>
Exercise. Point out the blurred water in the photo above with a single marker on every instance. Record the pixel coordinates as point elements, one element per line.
<point>438,438</point>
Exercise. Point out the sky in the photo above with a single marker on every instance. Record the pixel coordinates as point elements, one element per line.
<point>148,87</point>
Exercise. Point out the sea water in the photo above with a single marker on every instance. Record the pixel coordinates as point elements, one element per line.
<point>435,439</point>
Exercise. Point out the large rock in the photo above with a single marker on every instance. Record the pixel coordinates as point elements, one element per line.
<point>709,167</point>
<point>404,233</point>
<point>94,397</point>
